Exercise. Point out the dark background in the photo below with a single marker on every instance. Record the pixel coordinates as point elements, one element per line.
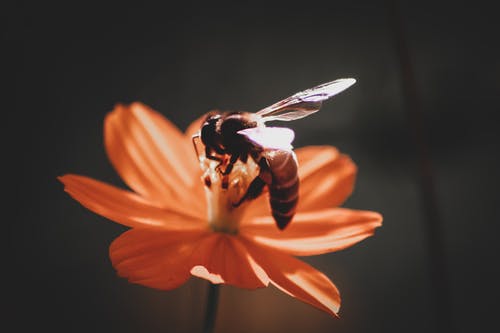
<point>66,66</point>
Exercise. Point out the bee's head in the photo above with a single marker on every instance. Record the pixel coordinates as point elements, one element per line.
<point>209,134</point>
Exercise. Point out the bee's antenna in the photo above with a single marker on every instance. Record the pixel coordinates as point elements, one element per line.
<point>193,138</point>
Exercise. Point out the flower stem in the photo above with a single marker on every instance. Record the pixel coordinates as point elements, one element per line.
<point>211,310</point>
<point>432,222</point>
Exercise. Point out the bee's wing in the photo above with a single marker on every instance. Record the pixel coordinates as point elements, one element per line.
<point>270,137</point>
<point>304,103</point>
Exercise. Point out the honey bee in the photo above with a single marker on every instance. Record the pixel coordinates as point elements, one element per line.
<point>232,136</point>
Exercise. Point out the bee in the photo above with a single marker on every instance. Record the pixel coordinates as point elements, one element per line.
<point>232,136</point>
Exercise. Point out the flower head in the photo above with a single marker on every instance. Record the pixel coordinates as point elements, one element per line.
<point>183,222</point>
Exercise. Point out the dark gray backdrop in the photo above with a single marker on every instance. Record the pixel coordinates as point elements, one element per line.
<point>69,65</point>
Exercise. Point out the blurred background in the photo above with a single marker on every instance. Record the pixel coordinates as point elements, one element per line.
<point>421,124</point>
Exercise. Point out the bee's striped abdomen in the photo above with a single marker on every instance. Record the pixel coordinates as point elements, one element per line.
<point>284,186</point>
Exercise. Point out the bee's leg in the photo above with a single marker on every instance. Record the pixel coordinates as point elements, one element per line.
<point>257,185</point>
<point>225,182</point>
<point>225,178</point>
<point>208,154</point>
<point>230,165</point>
<point>229,168</point>
<point>253,191</point>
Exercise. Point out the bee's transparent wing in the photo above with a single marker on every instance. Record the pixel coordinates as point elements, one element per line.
<point>270,137</point>
<point>304,103</point>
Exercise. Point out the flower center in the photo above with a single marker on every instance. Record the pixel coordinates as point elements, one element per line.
<point>223,193</point>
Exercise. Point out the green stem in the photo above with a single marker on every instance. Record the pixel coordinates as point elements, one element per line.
<point>211,310</point>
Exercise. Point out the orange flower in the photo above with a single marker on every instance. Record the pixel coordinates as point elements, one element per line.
<point>175,232</point>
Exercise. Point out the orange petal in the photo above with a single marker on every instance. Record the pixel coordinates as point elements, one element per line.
<point>326,177</point>
<point>195,126</point>
<point>127,207</point>
<point>151,154</point>
<point>165,259</point>
<point>221,258</point>
<point>156,259</point>
<point>257,208</point>
<point>297,279</point>
<point>314,233</point>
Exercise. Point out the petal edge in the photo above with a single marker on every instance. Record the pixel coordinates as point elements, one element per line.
<point>298,279</point>
<point>125,207</point>
<point>314,233</point>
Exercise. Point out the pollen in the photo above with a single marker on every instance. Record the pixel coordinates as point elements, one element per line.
<point>225,191</point>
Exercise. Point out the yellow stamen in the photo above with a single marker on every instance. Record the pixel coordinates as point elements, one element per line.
<point>223,216</point>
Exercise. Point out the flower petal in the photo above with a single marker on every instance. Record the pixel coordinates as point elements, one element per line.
<point>221,258</point>
<point>150,154</point>
<point>314,233</point>
<point>257,208</point>
<point>156,259</point>
<point>297,278</point>
<point>127,207</point>
<point>165,259</point>
<point>195,126</point>
<point>326,177</point>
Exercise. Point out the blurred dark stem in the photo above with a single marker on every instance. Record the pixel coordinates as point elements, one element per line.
<point>432,221</point>
<point>211,310</point>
